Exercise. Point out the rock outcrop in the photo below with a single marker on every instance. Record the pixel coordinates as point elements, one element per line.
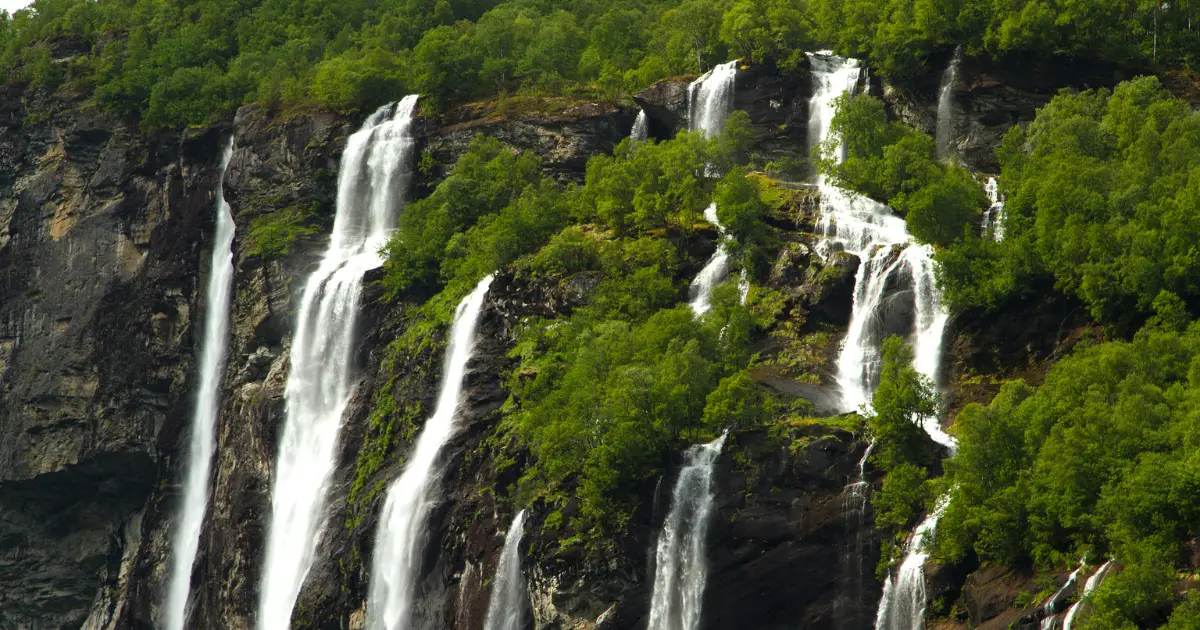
<point>101,231</point>
<point>103,234</point>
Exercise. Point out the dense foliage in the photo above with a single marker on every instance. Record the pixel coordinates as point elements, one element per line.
<point>603,393</point>
<point>1102,195</point>
<point>890,162</point>
<point>903,398</point>
<point>1102,459</point>
<point>176,62</point>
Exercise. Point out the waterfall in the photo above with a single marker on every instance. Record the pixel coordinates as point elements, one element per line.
<point>713,272</point>
<point>506,607</point>
<point>401,540</point>
<point>894,293</point>
<point>832,77</point>
<point>710,98</point>
<point>641,127</point>
<point>680,567</point>
<point>902,606</point>
<point>880,239</point>
<point>1048,611</point>
<point>1088,587</point>
<point>854,514</point>
<point>993,218</point>
<point>375,170</point>
<point>945,109</point>
<point>198,466</point>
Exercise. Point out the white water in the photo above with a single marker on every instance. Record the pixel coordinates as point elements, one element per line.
<point>641,126</point>
<point>709,100</point>
<point>880,239</point>
<point>902,606</point>
<point>680,566</point>
<point>375,170</point>
<point>1088,587</point>
<point>894,291</point>
<point>993,218</point>
<point>832,77</point>
<point>854,513</point>
<point>198,465</point>
<point>945,109</point>
<point>402,538</point>
<point>506,607</point>
<point>716,270</point>
<point>1048,608</point>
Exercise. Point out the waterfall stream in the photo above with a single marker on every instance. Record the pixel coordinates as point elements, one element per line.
<point>894,290</point>
<point>680,565</point>
<point>375,170</point>
<point>993,218</point>
<point>945,108</point>
<point>1088,587</point>
<point>710,98</point>
<point>506,606</point>
<point>855,497</point>
<point>641,126</point>
<point>198,465</point>
<point>403,535</point>
<point>894,293</point>
<point>902,606</point>
<point>1048,608</point>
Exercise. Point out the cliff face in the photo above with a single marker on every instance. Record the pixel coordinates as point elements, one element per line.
<point>101,229</point>
<point>104,239</point>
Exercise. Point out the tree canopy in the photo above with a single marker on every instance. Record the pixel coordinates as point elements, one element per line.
<point>177,62</point>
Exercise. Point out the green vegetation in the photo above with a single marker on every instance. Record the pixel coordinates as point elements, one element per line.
<point>901,400</point>
<point>602,393</point>
<point>1102,459</point>
<point>273,234</point>
<point>1102,190</point>
<point>176,62</point>
<point>892,163</point>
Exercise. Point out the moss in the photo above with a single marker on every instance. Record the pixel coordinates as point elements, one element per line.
<point>272,235</point>
<point>408,363</point>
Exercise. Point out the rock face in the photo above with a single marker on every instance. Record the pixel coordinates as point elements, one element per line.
<point>777,104</point>
<point>790,549</point>
<point>990,97</point>
<point>565,133</point>
<point>101,229</point>
<point>104,231</point>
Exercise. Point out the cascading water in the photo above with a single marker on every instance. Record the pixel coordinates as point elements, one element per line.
<point>894,293</point>
<point>709,100</point>
<point>868,229</point>
<point>832,77</point>
<point>1049,608</point>
<point>402,537</point>
<point>202,444</point>
<point>641,126</point>
<point>1088,587</point>
<point>993,218</point>
<point>375,170</point>
<point>680,567</point>
<point>854,514</point>
<point>903,604</point>
<point>713,272</point>
<point>506,607</point>
<point>945,109</point>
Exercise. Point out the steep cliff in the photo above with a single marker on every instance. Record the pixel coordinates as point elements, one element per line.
<point>102,232</point>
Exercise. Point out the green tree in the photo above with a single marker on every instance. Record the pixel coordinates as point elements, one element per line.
<point>901,400</point>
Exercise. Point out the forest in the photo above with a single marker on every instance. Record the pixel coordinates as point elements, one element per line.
<point>174,63</point>
<point>1099,460</point>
